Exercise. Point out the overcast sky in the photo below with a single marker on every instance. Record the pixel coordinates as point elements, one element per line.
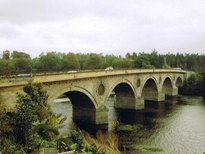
<point>102,26</point>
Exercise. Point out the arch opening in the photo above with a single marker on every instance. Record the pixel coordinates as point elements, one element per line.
<point>179,82</point>
<point>78,108</point>
<point>150,91</point>
<point>79,99</point>
<point>124,96</point>
<point>167,87</point>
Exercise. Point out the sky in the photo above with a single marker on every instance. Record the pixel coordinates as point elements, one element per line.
<point>102,26</point>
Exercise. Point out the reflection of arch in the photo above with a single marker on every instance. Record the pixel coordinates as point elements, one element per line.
<point>78,96</point>
<point>150,90</point>
<point>167,87</point>
<point>124,94</point>
<point>179,81</point>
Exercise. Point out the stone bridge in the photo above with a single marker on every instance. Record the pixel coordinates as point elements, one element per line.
<point>89,91</point>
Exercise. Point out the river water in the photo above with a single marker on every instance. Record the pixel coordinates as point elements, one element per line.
<point>176,126</point>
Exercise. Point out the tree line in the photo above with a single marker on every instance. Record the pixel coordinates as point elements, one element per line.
<point>15,62</point>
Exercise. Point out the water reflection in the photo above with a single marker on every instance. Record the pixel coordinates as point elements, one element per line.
<point>176,126</point>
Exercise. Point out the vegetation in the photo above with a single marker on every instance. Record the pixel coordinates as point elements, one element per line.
<point>126,128</point>
<point>13,63</point>
<point>81,142</point>
<point>146,148</point>
<point>194,85</point>
<point>203,85</point>
<point>32,126</point>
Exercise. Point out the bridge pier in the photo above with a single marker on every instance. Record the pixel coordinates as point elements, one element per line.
<point>173,94</point>
<point>174,91</point>
<point>160,97</point>
<point>129,103</point>
<point>139,103</point>
<point>90,115</point>
<point>154,97</point>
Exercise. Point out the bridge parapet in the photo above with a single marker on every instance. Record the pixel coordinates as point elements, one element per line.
<point>17,80</point>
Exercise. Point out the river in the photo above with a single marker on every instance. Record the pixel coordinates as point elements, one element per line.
<point>176,126</point>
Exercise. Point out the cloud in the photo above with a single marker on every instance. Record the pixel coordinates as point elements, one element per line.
<point>102,26</point>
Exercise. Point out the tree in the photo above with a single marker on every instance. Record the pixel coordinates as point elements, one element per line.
<point>70,62</point>
<point>4,67</point>
<point>155,59</point>
<point>94,61</point>
<point>193,86</point>
<point>142,61</point>
<point>49,62</point>
<point>117,63</point>
<point>127,63</point>
<point>5,64</point>
<point>20,62</point>
<point>108,59</point>
<point>21,65</point>
<point>203,85</point>
<point>6,55</point>
<point>82,59</point>
<point>16,54</point>
<point>33,122</point>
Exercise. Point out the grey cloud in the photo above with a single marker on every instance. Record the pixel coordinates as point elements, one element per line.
<point>9,31</point>
<point>21,10</point>
<point>104,26</point>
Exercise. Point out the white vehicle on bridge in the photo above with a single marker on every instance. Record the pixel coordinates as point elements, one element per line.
<point>109,68</point>
<point>23,75</point>
<point>72,71</point>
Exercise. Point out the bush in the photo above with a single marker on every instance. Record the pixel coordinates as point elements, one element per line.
<point>9,147</point>
<point>192,86</point>
<point>82,142</point>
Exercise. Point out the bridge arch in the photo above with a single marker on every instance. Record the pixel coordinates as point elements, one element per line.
<point>77,95</point>
<point>84,106</point>
<point>179,81</point>
<point>150,89</point>
<point>167,86</point>
<point>79,99</point>
<point>124,94</point>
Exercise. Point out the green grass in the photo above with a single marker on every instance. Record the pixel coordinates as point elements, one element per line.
<point>126,128</point>
<point>147,148</point>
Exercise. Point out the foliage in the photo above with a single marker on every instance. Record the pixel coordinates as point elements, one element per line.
<point>49,62</point>
<point>76,137</point>
<point>82,142</point>
<point>16,62</point>
<point>142,61</point>
<point>94,61</point>
<point>70,62</point>
<point>105,142</point>
<point>192,86</point>
<point>203,85</point>
<point>33,124</point>
<point>9,147</point>
<point>49,144</point>
<point>147,148</point>
<point>126,128</point>
<point>127,63</point>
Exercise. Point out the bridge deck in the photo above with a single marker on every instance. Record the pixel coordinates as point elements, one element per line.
<point>45,78</point>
